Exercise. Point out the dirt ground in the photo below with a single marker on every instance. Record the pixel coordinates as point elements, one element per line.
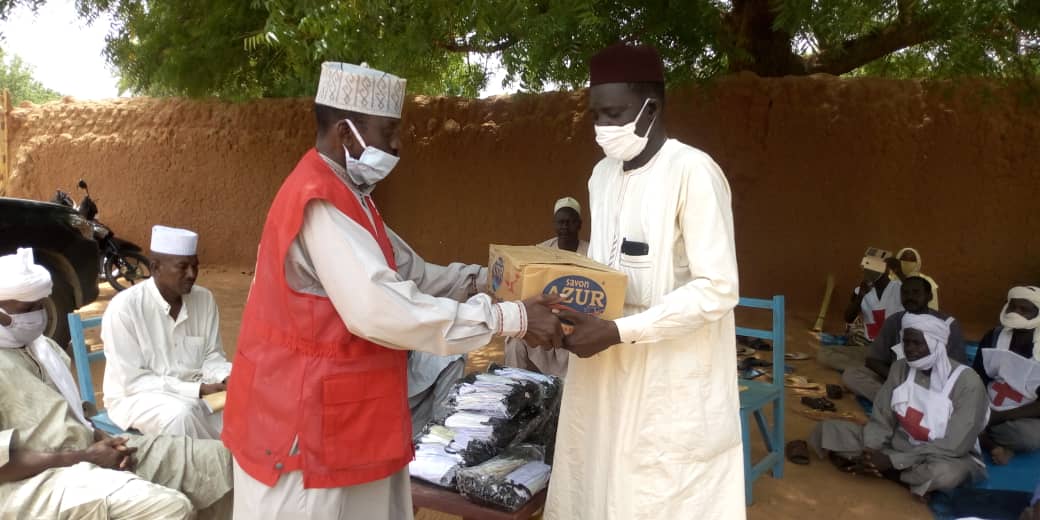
<point>805,492</point>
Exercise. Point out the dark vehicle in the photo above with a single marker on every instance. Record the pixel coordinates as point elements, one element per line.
<point>121,262</point>
<point>63,242</point>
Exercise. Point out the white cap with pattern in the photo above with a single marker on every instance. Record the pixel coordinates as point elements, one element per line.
<point>361,89</point>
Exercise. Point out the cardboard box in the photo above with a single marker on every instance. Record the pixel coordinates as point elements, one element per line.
<point>520,272</point>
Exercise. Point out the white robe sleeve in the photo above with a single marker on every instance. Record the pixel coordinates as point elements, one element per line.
<point>706,222</point>
<point>215,366</point>
<point>6,440</point>
<point>124,365</point>
<point>378,304</point>
<point>453,281</point>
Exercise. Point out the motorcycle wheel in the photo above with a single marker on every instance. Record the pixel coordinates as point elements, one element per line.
<point>126,269</point>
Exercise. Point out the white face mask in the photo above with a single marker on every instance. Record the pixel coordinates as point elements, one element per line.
<point>925,363</point>
<point>621,142</point>
<point>374,164</point>
<point>24,328</point>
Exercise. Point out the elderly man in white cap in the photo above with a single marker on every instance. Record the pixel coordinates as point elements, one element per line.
<point>317,416</point>
<point>567,222</point>
<point>53,463</point>
<point>162,346</point>
<point>926,421</point>
<point>1008,361</point>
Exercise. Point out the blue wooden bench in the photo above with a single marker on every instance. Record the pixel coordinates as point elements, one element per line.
<point>82,358</point>
<point>759,394</point>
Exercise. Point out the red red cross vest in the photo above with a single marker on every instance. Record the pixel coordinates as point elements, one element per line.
<point>298,371</point>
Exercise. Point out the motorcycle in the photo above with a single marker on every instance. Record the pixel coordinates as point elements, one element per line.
<point>120,262</point>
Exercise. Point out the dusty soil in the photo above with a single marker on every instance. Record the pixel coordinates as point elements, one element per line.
<point>805,492</point>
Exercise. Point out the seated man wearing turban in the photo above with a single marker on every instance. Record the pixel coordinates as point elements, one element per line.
<point>916,293</point>
<point>926,421</point>
<point>1008,362</point>
<point>162,346</point>
<point>53,463</point>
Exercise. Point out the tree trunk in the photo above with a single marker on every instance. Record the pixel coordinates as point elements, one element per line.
<point>755,45</point>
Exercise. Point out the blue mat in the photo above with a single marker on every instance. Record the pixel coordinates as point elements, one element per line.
<point>1022,474</point>
<point>982,503</point>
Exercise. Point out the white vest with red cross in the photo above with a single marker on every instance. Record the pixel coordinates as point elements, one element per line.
<point>1015,378</point>
<point>923,413</point>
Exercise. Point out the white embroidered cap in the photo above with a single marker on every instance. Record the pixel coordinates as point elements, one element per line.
<point>567,202</point>
<point>358,88</point>
<point>174,241</point>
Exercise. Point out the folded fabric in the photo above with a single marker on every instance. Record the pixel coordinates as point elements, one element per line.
<point>433,462</point>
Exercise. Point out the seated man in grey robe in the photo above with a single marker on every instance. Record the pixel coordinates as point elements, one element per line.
<point>1008,362</point>
<point>926,421</point>
<point>54,463</point>
<point>916,294</point>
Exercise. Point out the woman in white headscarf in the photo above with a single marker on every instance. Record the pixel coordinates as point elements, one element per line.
<point>926,420</point>
<point>907,263</point>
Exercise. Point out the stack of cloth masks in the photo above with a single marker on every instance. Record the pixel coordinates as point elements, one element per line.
<point>486,414</point>
<point>507,481</point>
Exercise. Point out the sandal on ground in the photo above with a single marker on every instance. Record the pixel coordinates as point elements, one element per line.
<point>797,452</point>
<point>796,356</point>
<point>818,415</point>
<point>819,403</point>
<point>801,382</point>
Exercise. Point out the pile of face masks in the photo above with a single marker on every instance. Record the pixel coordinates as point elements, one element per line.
<point>487,415</point>
<point>507,481</point>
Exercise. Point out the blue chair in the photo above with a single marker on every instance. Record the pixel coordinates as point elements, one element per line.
<point>82,358</point>
<point>759,394</point>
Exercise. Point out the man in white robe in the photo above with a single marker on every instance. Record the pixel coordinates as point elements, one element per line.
<point>567,220</point>
<point>650,426</point>
<point>53,463</point>
<point>162,346</point>
<point>335,258</point>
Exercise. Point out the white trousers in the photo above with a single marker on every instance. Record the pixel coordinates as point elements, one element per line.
<point>160,413</point>
<point>386,499</point>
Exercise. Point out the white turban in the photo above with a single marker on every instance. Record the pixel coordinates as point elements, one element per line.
<point>21,279</point>
<point>1015,321</point>
<point>936,334</point>
<point>174,241</point>
<point>568,202</point>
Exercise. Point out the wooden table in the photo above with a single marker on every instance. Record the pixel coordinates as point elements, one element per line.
<point>455,506</point>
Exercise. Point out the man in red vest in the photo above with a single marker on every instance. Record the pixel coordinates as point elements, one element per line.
<point>317,414</point>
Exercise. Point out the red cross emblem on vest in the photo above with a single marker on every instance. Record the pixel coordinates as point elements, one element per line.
<point>1004,391</point>
<point>911,422</point>
<point>873,329</point>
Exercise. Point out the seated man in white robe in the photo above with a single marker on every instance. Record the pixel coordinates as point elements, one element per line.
<point>53,463</point>
<point>162,346</point>
<point>1008,362</point>
<point>567,221</point>
<point>926,420</point>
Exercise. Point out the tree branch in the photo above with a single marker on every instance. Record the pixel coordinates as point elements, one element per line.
<point>905,32</point>
<point>454,46</point>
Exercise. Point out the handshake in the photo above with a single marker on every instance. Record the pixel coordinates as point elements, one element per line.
<point>546,317</point>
